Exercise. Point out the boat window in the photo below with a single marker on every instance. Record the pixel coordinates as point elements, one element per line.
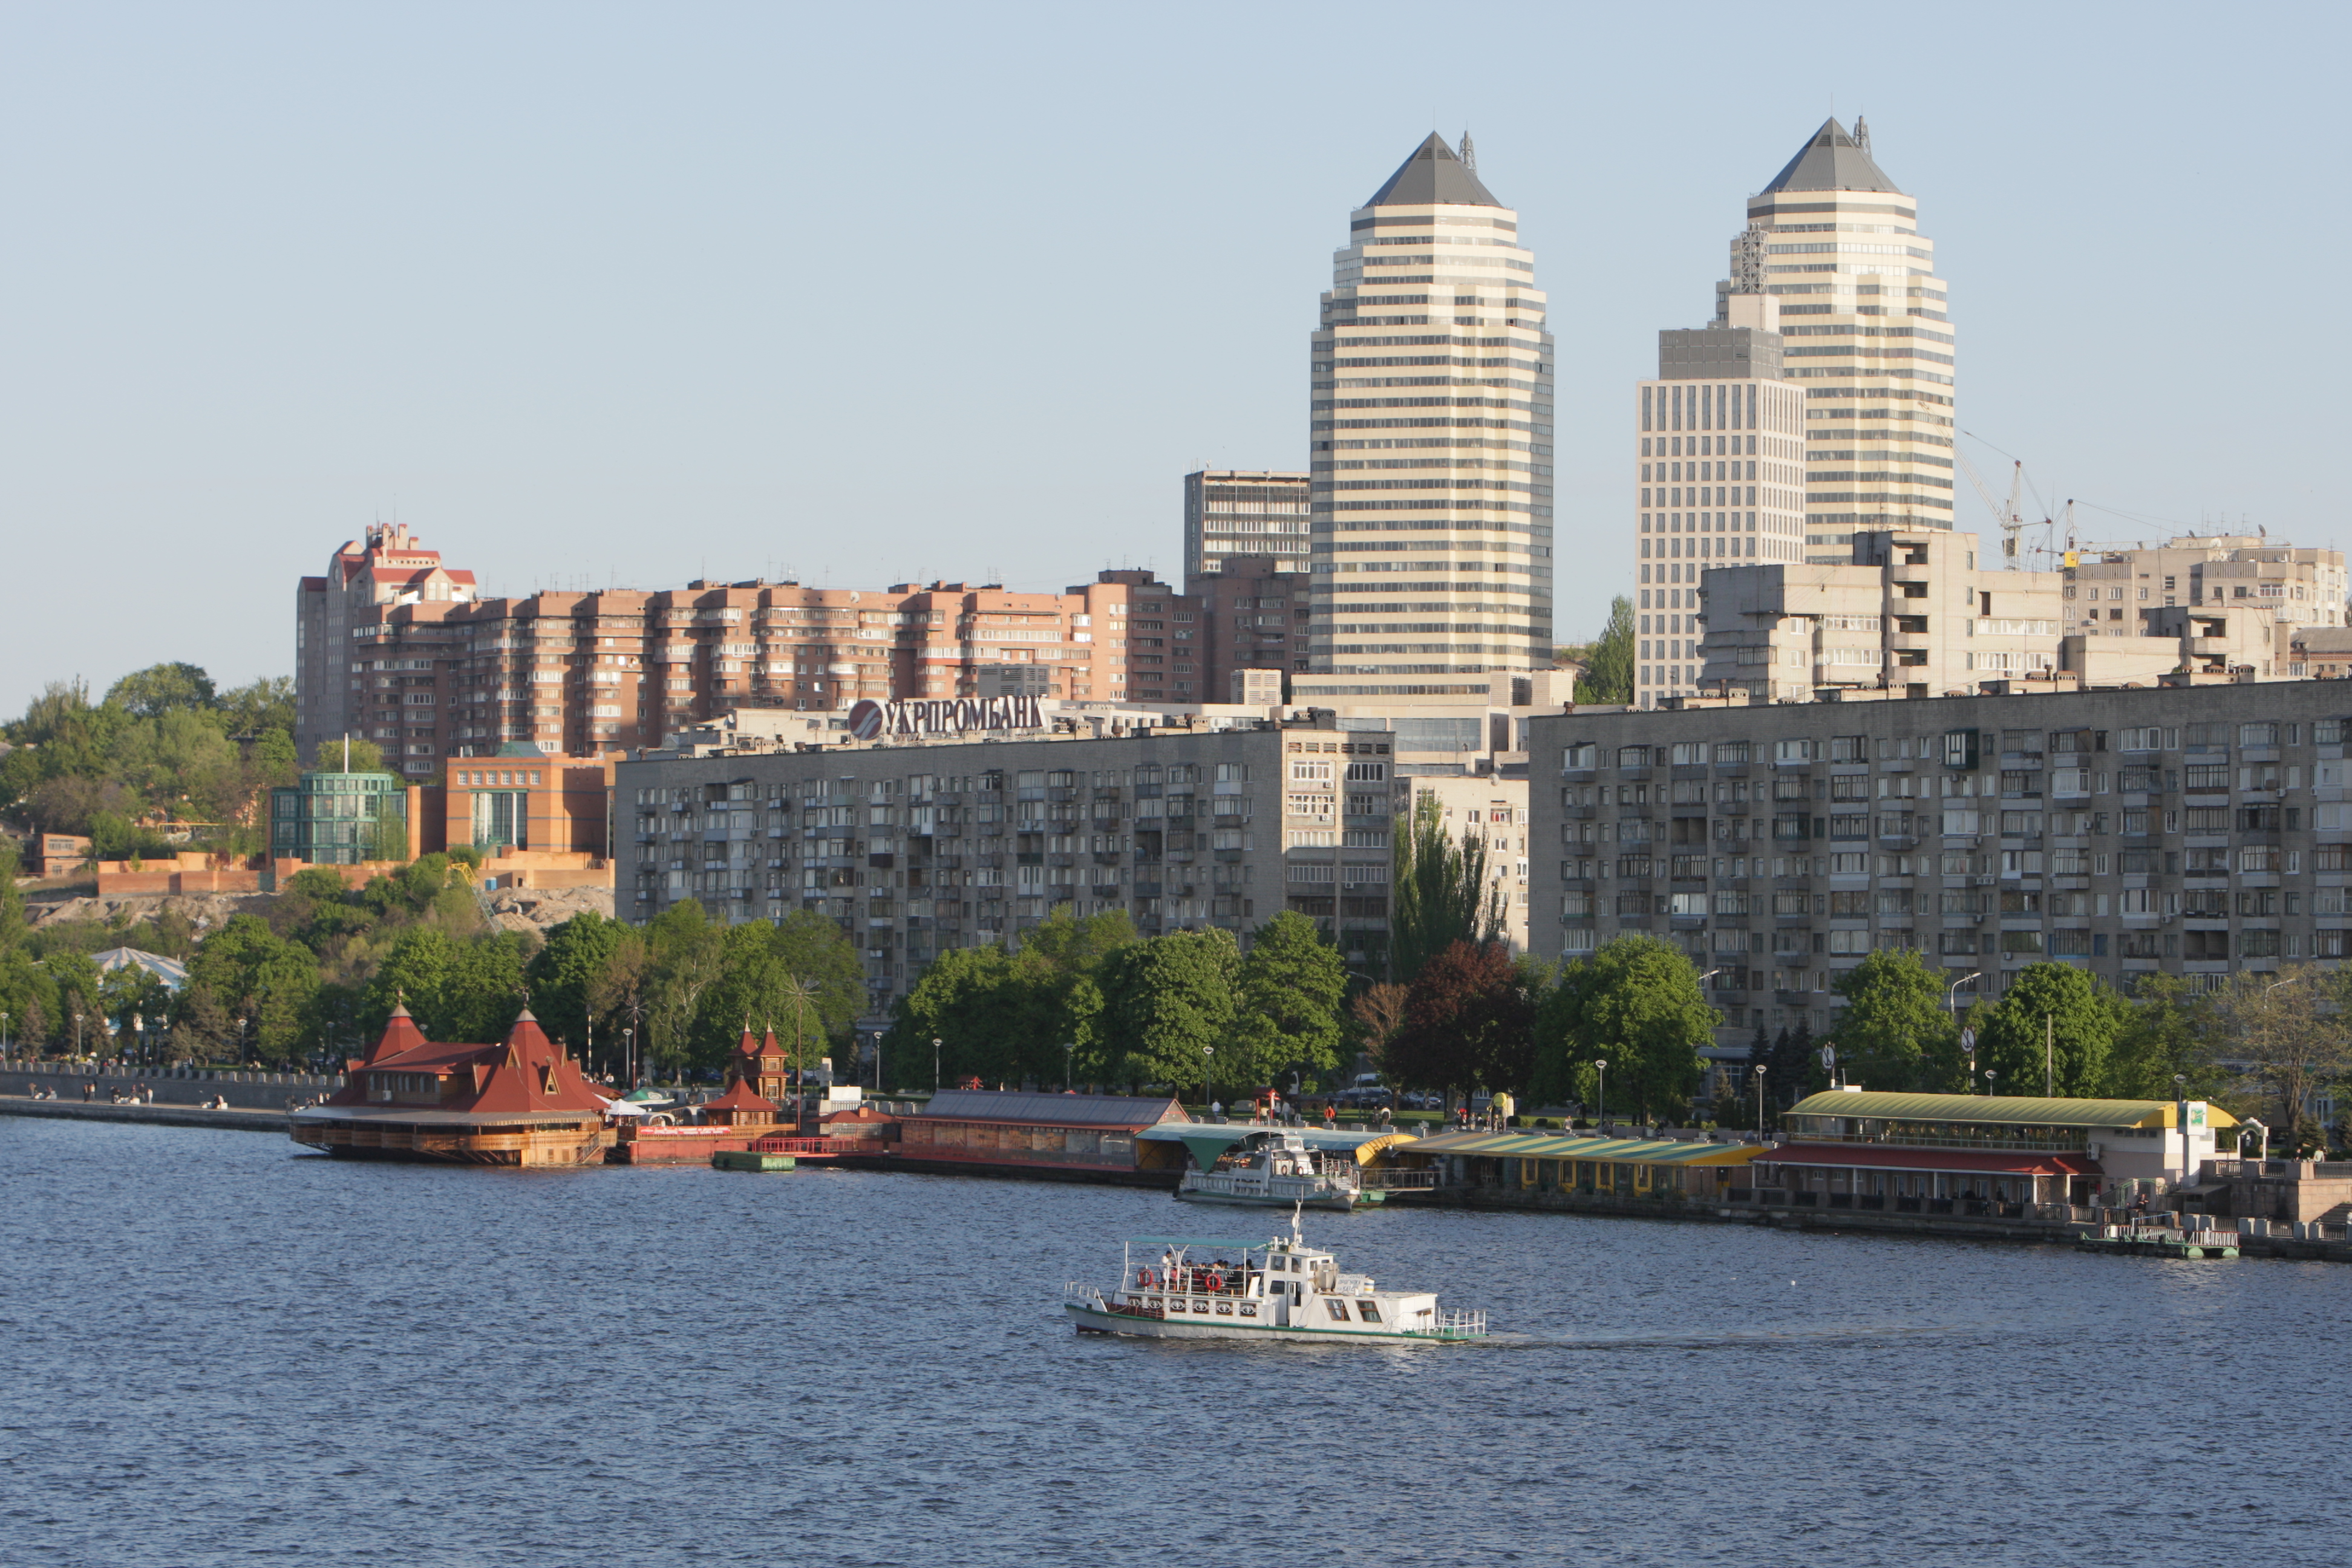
<point>1371,1310</point>
<point>1338,1307</point>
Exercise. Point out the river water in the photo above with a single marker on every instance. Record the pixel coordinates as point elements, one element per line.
<point>219,1351</point>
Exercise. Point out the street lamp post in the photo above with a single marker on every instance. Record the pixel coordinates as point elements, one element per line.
<point>628,1058</point>
<point>1952,992</point>
<point>878,1064</point>
<point>935,1064</point>
<point>2180,1119</point>
<point>1602,1115</point>
<point>1208,1054</point>
<point>1759,1104</point>
<point>1069,1052</point>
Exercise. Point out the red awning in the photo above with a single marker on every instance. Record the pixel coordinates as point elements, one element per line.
<point>1970,1161</point>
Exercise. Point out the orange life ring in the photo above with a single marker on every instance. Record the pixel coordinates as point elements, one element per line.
<point>1143,1276</point>
<point>1216,1281</point>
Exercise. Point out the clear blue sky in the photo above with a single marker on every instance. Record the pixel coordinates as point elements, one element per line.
<point>586,293</point>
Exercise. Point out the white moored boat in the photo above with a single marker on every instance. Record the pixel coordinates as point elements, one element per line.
<point>1276,1169</point>
<point>1206,1289</point>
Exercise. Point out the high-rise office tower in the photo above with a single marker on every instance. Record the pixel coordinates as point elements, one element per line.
<point>1721,462</point>
<point>1863,321</point>
<point>1431,446</point>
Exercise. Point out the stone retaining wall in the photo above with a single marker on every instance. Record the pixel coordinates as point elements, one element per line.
<point>173,1086</point>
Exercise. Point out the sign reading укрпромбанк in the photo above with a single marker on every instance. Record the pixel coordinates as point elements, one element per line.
<point>948,716</point>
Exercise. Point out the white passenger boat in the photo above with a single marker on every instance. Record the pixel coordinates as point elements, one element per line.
<point>1182,1288</point>
<point>1276,1169</point>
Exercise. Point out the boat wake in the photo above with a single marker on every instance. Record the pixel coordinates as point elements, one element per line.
<point>1858,1334</point>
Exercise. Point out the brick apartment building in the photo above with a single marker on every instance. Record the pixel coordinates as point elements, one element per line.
<point>393,646</point>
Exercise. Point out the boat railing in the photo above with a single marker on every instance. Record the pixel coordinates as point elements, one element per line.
<point>1463,1325</point>
<point>1389,1181</point>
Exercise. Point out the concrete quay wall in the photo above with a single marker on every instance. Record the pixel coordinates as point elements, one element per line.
<point>271,1119</point>
<point>173,1086</point>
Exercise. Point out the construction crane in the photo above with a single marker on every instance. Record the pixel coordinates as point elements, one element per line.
<point>2011,516</point>
<point>2013,523</point>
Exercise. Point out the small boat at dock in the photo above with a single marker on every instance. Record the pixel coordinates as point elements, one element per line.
<point>1276,1169</point>
<point>1211,1288</point>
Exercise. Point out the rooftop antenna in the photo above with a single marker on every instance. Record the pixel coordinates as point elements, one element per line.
<point>1469,151</point>
<point>1862,134</point>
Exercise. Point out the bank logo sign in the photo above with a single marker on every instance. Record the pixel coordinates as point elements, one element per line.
<point>871,721</point>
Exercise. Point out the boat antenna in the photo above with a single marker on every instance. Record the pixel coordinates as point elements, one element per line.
<point>1296,1239</point>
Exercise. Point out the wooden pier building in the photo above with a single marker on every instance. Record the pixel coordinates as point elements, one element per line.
<point>523,1101</point>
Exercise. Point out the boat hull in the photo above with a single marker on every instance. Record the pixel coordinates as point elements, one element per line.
<point>1093,1319</point>
<point>1342,1202</point>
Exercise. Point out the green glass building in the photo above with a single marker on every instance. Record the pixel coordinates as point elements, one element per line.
<point>339,819</point>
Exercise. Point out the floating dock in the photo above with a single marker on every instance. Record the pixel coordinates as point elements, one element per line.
<point>751,1160</point>
<point>2152,1242</point>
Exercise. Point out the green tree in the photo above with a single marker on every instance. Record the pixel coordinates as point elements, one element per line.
<point>415,974</point>
<point>685,957</point>
<point>802,978</point>
<point>264,705</point>
<point>162,689</point>
<point>2293,1031</point>
<point>12,925</point>
<point>973,1001</point>
<point>1167,1002</point>
<point>564,969</point>
<point>1894,1033</point>
<point>485,990</point>
<point>28,996</point>
<point>1608,661</point>
<point>1441,894</point>
<point>262,986</point>
<point>1286,1004</point>
<point>2082,1020</point>
<point>1060,963</point>
<point>2165,1031</point>
<point>1635,1004</point>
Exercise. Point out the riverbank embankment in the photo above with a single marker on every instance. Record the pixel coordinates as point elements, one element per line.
<point>248,1120</point>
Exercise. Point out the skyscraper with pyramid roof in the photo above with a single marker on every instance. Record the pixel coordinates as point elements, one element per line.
<point>1431,446</point>
<point>1863,321</point>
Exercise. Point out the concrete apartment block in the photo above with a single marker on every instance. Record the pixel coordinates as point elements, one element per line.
<point>1238,512</point>
<point>2116,591</point>
<point>1911,614</point>
<point>2196,831</point>
<point>1431,451</point>
<point>916,847</point>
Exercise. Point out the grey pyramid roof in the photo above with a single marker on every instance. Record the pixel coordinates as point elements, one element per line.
<point>1432,175</point>
<point>1832,161</point>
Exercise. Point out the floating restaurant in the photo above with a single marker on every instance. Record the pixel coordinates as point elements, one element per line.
<point>1988,1157</point>
<point>1536,1163</point>
<point>521,1102</point>
<point>1066,1137</point>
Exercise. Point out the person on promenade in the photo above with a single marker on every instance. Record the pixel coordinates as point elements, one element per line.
<point>89,1091</point>
<point>1331,1116</point>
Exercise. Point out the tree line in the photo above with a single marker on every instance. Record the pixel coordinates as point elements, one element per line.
<point>164,743</point>
<point>311,982</point>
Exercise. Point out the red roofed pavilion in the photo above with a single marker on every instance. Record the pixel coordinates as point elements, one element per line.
<point>523,1101</point>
